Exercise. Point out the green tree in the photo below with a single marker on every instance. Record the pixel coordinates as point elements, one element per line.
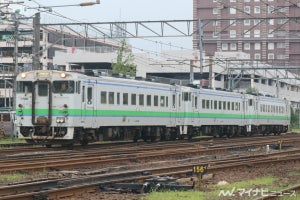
<point>125,61</point>
<point>251,90</point>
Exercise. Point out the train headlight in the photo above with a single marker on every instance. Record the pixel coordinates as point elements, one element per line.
<point>60,120</point>
<point>23,75</point>
<point>63,75</point>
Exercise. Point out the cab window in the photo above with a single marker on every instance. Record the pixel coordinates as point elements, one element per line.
<point>63,86</point>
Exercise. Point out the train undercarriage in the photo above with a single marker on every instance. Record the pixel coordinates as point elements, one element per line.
<point>58,135</point>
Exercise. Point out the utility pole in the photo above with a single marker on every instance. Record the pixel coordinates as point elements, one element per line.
<point>36,42</point>
<point>200,30</point>
<point>15,58</point>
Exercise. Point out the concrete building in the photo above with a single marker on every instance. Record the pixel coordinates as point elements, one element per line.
<point>267,30</point>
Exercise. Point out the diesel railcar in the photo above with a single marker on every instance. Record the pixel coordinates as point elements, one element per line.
<point>60,107</point>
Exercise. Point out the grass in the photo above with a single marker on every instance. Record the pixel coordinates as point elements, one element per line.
<point>243,188</point>
<point>12,177</point>
<point>10,140</point>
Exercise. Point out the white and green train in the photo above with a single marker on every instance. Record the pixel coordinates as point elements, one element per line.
<point>57,107</point>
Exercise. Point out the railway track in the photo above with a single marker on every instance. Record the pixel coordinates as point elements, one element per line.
<point>72,159</point>
<point>52,189</point>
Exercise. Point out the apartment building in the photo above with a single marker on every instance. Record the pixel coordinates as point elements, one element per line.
<point>268,30</point>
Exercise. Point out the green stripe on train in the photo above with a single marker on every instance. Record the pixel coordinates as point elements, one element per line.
<point>128,113</point>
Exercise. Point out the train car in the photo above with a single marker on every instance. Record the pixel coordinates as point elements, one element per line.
<point>57,107</point>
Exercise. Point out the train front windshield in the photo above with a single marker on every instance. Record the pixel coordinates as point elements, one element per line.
<point>24,87</point>
<point>63,86</point>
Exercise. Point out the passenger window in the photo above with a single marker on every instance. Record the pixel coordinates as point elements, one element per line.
<point>155,100</point>
<point>133,99</point>
<point>167,102</point>
<point>103,97</point>
<point>148,100</point>
<point>196,102</point>
<point>83,94</point>
<point>215,105</point>
<point>179,103</point>
<point>90,95</point>
<point>125,98</point>
<point>141,99</point>
<point>203,103</point>
<point>111,97</point>
<point>220,105</point>
<point>118,98</point>
<point>224,105</point>
<point>162,101</point>
<point>207,104</point>
<point>173,100</point>
<point>250,102</point>
<point>228,105</point>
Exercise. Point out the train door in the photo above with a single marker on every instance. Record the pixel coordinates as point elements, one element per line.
<point>41,103</point>
<point>87,106</point>
<point>187,107</point>
<point>250,112</point>
<point>174,109</point>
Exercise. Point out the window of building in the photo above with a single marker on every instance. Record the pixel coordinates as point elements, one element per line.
<point>256,9</point>
<point>270,9</point>
<point>257,46</point>
<point>280,45</point>
<point>247,9</point>
<point>246,46</point>
<point>224,46</point>
<point>247,34</point>
<point>232,33</point>
<point>247,22</point>
<point>271,46</point>
<point>233,46</point>
<point>280,56</point>
<point>281,9</point>
<point>232,10</point>
<point>257,56</point>
<point>281,21</point>
<point>233,22</point>
<point>256,21</point>
<point>270,21</point>
<point>215,11</point>
<point>271,56</point>
<point>271,33</point>
<point>256,33</point>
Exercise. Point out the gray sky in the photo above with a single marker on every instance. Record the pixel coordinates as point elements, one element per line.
<point>126,10</point>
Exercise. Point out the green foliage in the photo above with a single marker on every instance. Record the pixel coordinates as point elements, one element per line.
<point>251,91</point>
<point>294,118</point>
<point>175,195</point>
<point>10,140</point>
<point>125,61</point>
<point>11,177</point>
